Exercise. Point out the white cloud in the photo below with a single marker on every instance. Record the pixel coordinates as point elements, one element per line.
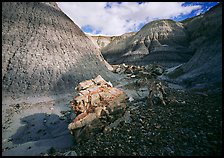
<point>114,20</point>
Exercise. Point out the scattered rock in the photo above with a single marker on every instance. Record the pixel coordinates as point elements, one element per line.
<point>183,102</point>
<point>148,71</point>
<point>17,106</point>
<point>10,139</point>
<point>131,99</point>
<point>133,76</point>
<point>62,118</point>
<point>118,70</point>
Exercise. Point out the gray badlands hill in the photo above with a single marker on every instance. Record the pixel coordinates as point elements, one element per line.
<point>196,43</point>
<point>103,41</point>
<point>44,51</point>
<point>161,41</point>
<point>100,41</point>
<point>205,67</point>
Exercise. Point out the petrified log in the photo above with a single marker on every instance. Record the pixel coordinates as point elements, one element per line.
<point>97,105</point>
<point>156,93</point>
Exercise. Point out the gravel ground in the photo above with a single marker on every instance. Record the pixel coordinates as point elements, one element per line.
<point>190,127</point>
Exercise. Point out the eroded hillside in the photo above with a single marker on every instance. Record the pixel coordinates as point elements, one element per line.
<point>163,41</point>
<point>43,51</point>
<point>204,69</point>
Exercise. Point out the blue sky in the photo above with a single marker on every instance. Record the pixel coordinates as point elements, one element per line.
<point>205,7</point>
<point>116,18</point>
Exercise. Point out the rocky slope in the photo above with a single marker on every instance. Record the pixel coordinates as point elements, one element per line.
<point>205,67</point>
<point>161,41</point>
<point>44,51</point>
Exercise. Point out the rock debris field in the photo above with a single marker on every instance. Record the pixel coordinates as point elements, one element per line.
<point>191,125</point>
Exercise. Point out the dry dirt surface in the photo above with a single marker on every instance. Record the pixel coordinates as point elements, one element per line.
<point>31,126</point>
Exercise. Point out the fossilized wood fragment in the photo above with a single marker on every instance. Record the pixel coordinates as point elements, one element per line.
<point>97,105</point>
<point>156,94</point>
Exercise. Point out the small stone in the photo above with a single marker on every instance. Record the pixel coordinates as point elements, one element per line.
<point>118,70</point>
<point>131,99</point>
<point>4,140</point>
<point>10,139</point>
<point>40,130</point>
<point>17,106</point>
<point>47,114</point>
<point>62,118</point>
<point>133,76</point>
<point>183,102</point>
<point>6,148</point>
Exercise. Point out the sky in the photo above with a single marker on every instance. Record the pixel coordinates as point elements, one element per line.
<point>117,18</point>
